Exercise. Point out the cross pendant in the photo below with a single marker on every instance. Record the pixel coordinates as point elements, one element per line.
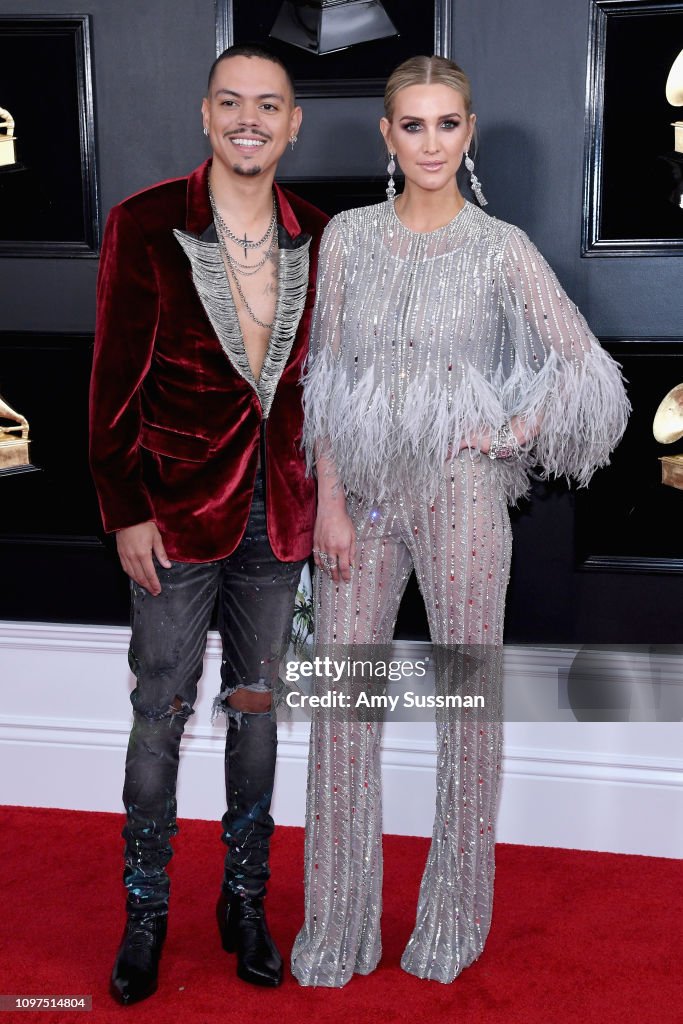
<point>245,247</point>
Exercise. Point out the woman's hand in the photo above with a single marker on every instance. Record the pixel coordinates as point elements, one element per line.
<point>334,536</point>
<point>523,430</point>
<point>477,442</point>
<point>334,541</point>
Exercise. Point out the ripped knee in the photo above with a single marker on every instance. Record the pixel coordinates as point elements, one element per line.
<point>249,699</point>
<point>178,708</point>
<point>253,702</point>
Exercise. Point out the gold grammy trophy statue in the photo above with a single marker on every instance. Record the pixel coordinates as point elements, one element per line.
<point>327,26</point>
<point>8,151</point>
<point>667,428</point>
<point>674,94</point>
<point>14,442</point>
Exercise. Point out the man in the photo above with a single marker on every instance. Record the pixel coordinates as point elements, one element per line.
<point>205,296</point>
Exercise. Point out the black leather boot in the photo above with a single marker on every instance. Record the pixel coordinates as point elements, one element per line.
<point>244,930</point>
<point>136,968</point>
<point>251,746</point>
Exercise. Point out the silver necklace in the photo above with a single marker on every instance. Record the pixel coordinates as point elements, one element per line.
<point>246,269</point>
<point>243,297</point>
<point>230,262</point>
<point>244,243</point>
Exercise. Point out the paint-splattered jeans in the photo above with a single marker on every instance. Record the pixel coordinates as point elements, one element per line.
<point>255,594</point>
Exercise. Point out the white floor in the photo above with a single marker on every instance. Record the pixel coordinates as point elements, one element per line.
<point>614,786</point>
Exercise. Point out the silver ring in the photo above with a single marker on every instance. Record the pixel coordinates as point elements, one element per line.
<point>327,562</point>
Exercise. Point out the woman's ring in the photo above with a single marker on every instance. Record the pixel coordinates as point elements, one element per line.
<point>327,562</point>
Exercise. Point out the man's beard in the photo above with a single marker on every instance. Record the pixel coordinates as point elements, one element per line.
<point>247,172</point>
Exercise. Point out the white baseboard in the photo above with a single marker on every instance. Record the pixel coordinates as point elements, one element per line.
<point>65,719</point>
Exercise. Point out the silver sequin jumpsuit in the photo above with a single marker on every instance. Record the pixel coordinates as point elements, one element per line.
<point>419,341</point>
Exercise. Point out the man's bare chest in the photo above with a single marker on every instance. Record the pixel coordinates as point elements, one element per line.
<point>254,292</point>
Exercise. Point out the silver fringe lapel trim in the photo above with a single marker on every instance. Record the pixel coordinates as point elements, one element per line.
<point>292,285</point>
<point>210,280</point>
<point>213,289</point>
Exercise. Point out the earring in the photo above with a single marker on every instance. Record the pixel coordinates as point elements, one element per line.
<point>474,181</point>
<point>206,130</point>
<point>391,184</point>
<point>293,140</point>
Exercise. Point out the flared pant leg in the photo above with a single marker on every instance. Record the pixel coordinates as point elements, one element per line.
<point>467,535</point>
<point>343,848</point>
<point>460,547</point>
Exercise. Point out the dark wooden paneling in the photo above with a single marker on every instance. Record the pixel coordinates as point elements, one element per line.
<point>627,520</point>
<point>54,563</point>
<point>604,564</point>
<point>586,565</point>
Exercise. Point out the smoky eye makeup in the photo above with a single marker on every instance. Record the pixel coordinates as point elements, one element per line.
<point>415,124</point>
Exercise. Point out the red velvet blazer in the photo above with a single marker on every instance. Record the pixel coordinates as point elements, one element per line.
<point>176,418</point>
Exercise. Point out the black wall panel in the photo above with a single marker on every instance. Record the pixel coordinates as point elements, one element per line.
<point>54,563</point>
<point>527,61</point>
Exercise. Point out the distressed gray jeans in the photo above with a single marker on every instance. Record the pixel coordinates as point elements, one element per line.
<point>255,593</point>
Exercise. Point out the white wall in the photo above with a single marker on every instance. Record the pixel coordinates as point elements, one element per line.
<point>594,785</point>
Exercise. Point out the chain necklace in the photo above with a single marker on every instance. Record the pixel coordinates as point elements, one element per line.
<point>244,243</point>
<point>243,297</point>
<point>247,269</point>
<point>235,267</point>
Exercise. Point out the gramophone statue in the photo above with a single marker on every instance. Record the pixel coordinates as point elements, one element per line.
<point>14,442</point>
<point>327,26</point>
<point>8,143</point>
<point>667,428</point>
<point>674,94</point>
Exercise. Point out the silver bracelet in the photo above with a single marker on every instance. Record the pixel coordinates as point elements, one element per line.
<point>504,444</point>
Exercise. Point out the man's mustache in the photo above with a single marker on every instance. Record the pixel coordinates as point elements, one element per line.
<point>247,131</point>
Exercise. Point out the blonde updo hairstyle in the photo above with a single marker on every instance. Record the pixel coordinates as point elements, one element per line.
<point>427,71</point>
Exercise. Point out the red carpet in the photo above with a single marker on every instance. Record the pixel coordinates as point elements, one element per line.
<point>577,937</point>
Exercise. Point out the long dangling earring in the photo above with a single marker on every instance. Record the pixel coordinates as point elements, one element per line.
<point>474,181</point>
<point>391,171</point>
<point>293,140</point>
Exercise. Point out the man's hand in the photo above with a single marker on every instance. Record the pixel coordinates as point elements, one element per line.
<point>136,545</point>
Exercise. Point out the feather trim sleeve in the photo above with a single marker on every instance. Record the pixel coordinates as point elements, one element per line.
<point>321,371</point>
<point>562,382</point>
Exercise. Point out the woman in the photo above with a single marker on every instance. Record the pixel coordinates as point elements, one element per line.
<point>446,362</point>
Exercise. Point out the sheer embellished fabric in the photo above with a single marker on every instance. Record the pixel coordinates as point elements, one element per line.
<point>459,545</point>
<point>446,334</point>
<point>419,342</point>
